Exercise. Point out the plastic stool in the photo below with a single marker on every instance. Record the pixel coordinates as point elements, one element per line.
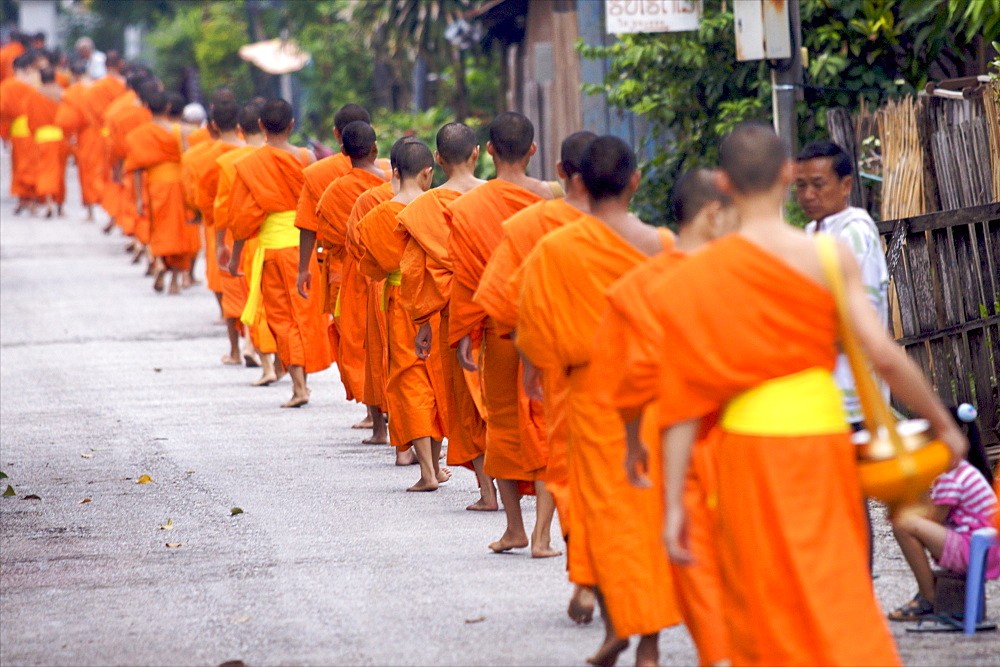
<point>975,582</point>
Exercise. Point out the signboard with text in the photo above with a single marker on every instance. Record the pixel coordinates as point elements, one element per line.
<point>622,17</point>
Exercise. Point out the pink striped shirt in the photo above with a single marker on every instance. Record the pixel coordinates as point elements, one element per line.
<point>969,495</point>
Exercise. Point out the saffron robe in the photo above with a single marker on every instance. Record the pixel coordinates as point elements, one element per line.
<point>204,183</point>
<point>98,98</point>
<point>157,151</point>
<point>415,387</point>
<point>348,303</point>
<point>76,119</point>
<point>14,94</point>
<point>376,326</point>
<point>498,294</point>
<point>561,304</point>
<point>269,180</point>
<point>515,429</point>
<point>51,148</point>
<point>199,136</point>
<point>425,292</point>
<point>317,177</point>
<point>123,116</point>
<point>8,54</point>
<point>790,508</point>
<point>628,347</point>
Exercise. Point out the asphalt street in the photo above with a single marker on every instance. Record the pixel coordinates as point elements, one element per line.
<point>331,561</point>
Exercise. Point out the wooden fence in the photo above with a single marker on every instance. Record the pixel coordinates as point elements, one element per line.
<point>945,268</point>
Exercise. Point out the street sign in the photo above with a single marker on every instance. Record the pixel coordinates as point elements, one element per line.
<point>622,17</point>
<point>762,29</point>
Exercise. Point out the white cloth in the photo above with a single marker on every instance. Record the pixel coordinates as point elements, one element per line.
<point>856,228</point>
<point>96,67</point>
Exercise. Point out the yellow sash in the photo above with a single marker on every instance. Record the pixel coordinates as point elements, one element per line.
<point>105,132</point>
<point>803,403</point>
<point>164,172</point>
<point>277,231</point>
<point>394,279</point>
<point>19,128</point>
<point>48,133</point>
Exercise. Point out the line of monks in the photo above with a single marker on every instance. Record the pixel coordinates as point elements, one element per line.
<point>652,388</point>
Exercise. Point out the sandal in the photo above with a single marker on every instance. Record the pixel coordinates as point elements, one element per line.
<point>914,610</point>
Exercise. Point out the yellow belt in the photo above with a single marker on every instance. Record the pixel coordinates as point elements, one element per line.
<point>19,128</point>
<point>394,279</point>
<point>48,133</point>
<point>164,172</point>
<point>277,231</point>
<point>804,403</point>
<point>105,132</point>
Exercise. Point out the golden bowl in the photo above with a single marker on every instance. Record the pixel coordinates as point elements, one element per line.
<point>915,434</point>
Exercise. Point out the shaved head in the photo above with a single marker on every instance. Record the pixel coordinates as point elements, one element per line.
<point>412,158</point>
<point>692,191</point>
<point>358,138</point>
<point>223,94</point>
<point>157,101</point>
<point>249,119</point>
<point>607,166</point>
<point>349,113</point>
<point>226,116</point>
<point>752,157</point>
<point>511,134</point>
<point>394,151</point>
<point>571,152</point>
<point>455,142</point>
<point>276,116</point>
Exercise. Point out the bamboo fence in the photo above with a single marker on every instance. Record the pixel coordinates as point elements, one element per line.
<point>902,159</point>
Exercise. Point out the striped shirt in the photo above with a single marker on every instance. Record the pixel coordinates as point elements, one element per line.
<point>969,495</point>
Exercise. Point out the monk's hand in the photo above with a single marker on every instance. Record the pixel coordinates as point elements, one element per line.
<point>234,267</point>
<point>637,464</point>
<point>304,283</point>
<point>675,535</point>
<point>422,342</point>
<point>223,255</point>
<point>531,380</point>
<point>465,354</point>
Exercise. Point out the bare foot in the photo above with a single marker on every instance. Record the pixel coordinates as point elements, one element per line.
<point>483,506</point>
<point>250,361</point>
<point>508,542</point>
<point>296,401</point>
<point>108,227</point>
<point>544,551</point>
<point>607,655</point>
<point>443,475</point>
<point>174,289</point>
<point>264,380</point>
<point>374,441</point>
<point>581,605</point>
<point>158,281</point>
<point>230,360</point>
<point>365,423</point>
<point>424,485</point>
<point>407,458</point>
<point>279,369</point>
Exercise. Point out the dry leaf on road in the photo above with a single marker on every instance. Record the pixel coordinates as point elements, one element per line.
<point>85,500</point>
<point>169,525</point>
<point>145,479</point>
<point>175,544</point>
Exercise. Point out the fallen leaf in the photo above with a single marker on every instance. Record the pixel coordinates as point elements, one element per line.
<point>169,525</point>
<point>31,496</point>
<point>241,619</point>
<point>475,620</point>
<point>145,479</point>
<point>158,369</point>
<point>236,510</point>
<point>99,449</point>
<point>3,475</point>
<point>85,500</point>
<point>175,544</point>
<point>86,456</point>
<point>9,492</point>
<point>190,472</point>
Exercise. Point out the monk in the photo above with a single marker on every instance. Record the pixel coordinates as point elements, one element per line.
<point>204,170</point>
<point>425,292</point>
<point>515,432</point>
<point>264,195</point>
<point>349,308</point>
<point>96,100</point>
<point>562,300</point>
<point>498,294</point>
<point>15,91</point>
<point>75,118</point>
<point>627,348</point>
<point>154,157</point>
<point>51,147</point>
<point>123,115</point>
<point>805,595</point>
<point>259,344</point>
<point>9,52</point>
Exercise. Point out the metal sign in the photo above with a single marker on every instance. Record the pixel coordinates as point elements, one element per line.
<point>629,16</point>
<point>762,29</point>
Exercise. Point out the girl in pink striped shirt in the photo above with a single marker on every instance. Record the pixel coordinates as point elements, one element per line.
<point>962,502</point>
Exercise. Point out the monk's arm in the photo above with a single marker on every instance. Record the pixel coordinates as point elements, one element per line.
<point>137,184</point>
<point>221,249</point>
<point>636,455</point>
<point>234,260</point>
<point>677,441</point>
<point>423,340</point>
<point>307,241</point>
<point>893,365</point>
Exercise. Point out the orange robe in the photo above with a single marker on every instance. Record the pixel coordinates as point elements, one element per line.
<point>792,538</point>
<point>349,303</point>
<point>76,119</point>
<point>14,95</point>
<point>124,115</point>
<point>515,428</point>
<point>615,526</point>
<point>203,174</point>
<point>316,178</point>
<point>498,294</point>
<point>51,147</point>
<point>234,288</point>
<point>97,99</point>
<point>269,181</point>
<point>157,151</point>
<point>415,388</point>
<point>199,136</point>
<point>376,326</point>
<point>628,347</point>
<point>8,54</point>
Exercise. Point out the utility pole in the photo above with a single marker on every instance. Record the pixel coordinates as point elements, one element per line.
<point>786,80</point>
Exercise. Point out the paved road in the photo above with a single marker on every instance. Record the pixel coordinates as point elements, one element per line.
<point>332,562</point>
